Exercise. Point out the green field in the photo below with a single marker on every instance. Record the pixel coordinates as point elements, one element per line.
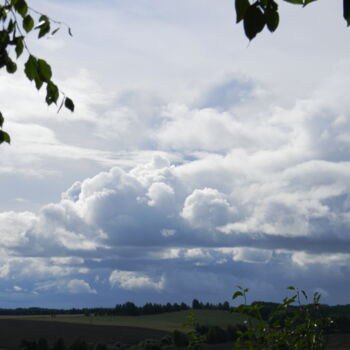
<point>166,321</point>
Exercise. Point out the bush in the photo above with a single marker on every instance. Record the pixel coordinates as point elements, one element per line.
<point>149,344</point>
<point>100,346</point>
<point>287,327</point>
<point>166,340</point>
<point>216,335</point>
<point>180,338</point>
<point>79,345</point>
<point>59,344</point>
<point>231,333</point>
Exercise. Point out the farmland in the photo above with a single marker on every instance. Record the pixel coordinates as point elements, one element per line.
<point>125,329</point>
<point>164,322</point>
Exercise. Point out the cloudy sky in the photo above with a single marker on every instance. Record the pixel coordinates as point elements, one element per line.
<point>195,160</point>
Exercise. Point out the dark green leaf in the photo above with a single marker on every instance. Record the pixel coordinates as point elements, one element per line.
<point>68,103</point>
<point>237,294</point>
<point>11,66</point>
<point>21,7</point>
<point>28,23</point>
<point>272,20</point>
<point>1,120</point>
<point>241,8</point>
<point>44,70</point>
<point>44,29</point>
<point>4,38</point>
<point>52,93</point>
<point>19,46</point>
<point>346,11</point>
<point>30,68</point>
<point>299,2</point>
<point>4,137</point>
<point>11,26</point>
<point>254,22</point>
<point>306,2</point>
<point>38,82</point>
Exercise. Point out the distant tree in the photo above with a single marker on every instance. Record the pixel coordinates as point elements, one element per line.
<point>196,304</point>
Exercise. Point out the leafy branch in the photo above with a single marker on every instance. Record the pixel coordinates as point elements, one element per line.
<point>261,13</point>
<point>17,21</point>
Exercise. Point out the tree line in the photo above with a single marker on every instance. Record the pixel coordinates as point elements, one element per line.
<point>127,309</point>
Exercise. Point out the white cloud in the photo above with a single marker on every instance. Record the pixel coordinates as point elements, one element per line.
<point>135,280</point>
<point>74,286</point>
<point>79,287</point>
<point>207,208</point>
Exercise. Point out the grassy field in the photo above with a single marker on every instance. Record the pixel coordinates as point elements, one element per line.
<point>127,329</point>
<point>165,322</point>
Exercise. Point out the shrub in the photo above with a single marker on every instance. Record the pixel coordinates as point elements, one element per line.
<point>149,344</point>
<point>100,346</point>
<point>289,326</point>
<point>216,335</point>
<point>166,340</point>
<point>79,345</point>
<point>180,338</point>
<point>59,344</point>
<point>231,333</point>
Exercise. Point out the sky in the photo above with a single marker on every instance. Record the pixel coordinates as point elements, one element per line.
<point>195,160</point>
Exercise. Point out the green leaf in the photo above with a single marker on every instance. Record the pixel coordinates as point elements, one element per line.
<point>11,26</point>
<point>306,2</point>
<point>44,29</point>
<point>346,11</point>
<point>38,82</point>
<point>4,137</point>
<point>4,39</point>
<point>254,22</point>
<point>68,103</point>
<point>237,294</point>
<point>44,70</point>
<point>304,293</point>
<point>30,68</point>
<point>21,7</point>
<point>52,93</point>
<point>299,2</point>
<point>28,23</point>
<point>1,120</point>
<point>291,288</point>
<point>272,20</point>
<point>19,46</point>
<point>11,66</point>
<point>241,8</point>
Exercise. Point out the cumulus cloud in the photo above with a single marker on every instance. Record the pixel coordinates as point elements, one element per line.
<point>134,280</point>
<point>179,181</point>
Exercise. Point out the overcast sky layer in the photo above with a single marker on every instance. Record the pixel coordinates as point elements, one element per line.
<point>195,161</point>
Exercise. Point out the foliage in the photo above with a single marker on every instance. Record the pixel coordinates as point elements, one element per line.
<point>289,326</point>
<point>195,339</point>
<point>17,21</point>
<point>180,338</point>
<point>261,13</point>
